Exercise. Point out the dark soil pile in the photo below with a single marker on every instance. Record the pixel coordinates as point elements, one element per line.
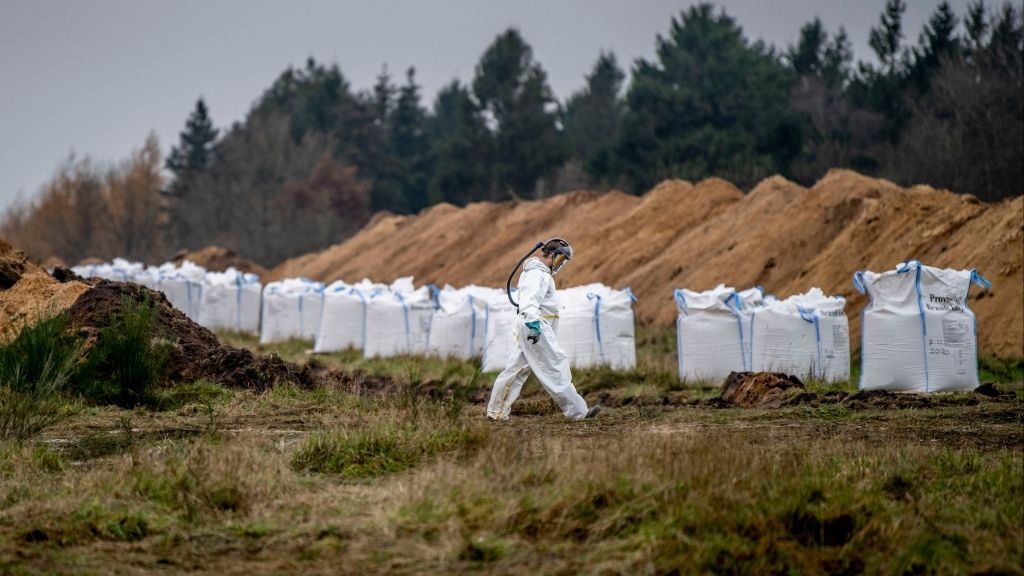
<point>775,390</point>
<point>764,390</point>
<point>196,353</point>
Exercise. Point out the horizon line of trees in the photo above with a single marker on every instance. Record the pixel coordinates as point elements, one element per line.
<point>314,159</point>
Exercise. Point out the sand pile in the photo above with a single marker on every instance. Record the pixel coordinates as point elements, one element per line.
<point>781,235</point>
<point>27,292</point>
<point>217,259</point>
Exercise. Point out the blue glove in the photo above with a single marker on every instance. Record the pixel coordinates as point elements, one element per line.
<point>534,327</point>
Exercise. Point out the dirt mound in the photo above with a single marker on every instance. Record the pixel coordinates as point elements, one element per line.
<point>782,236</point>
<point>196,354</point>
<point>217,259</point>
<point>27,292</point>
<point>763,390</point>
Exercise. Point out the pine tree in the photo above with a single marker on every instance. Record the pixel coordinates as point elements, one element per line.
<point>193,152</point>
<point>513,95</point>
<point>409,145</point>
<point>806,57</point>
<point>886,38</point>
<point>383,97</point>
<point>881,89</point>
<point>593,117</point>
<point>460,148</point>
<point>938,41</point>
<point>976,25</point>
<point>711,105</point>
<point>837,60</point>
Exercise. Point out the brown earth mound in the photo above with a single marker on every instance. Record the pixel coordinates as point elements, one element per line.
<point>195,352</point>
<point>217,259</point>
<point>776,390</point>
<point>27,292</point>
<point>782,236</point>
<point>763,389</point>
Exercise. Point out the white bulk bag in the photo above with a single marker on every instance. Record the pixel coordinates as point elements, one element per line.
<point>917,332</point>
<point>398,323</point>
<point>457,328</point>
<point>230,300</point>
<point>150,278</point>
<point>712,334</point>
<point>124,270</point>
<point>747,302</point>
<point>499,331</point>
<point>596,326</point>
<point>807,335</point>
<point>403,285</point>
<point>291,309</point>
<point>343,318</point>
<point>119,270</point>
<point>183,286</point>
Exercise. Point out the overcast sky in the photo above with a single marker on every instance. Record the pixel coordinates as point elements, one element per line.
<point>95,77</point>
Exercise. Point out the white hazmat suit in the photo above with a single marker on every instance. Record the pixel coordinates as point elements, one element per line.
<point>537,302</point>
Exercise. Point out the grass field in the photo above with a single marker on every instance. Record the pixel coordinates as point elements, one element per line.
<point>218,481</point>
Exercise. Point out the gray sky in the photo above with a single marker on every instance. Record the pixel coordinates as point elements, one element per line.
<point>96,77</point>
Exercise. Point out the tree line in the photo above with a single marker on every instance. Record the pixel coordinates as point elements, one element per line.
<point>314,159</point>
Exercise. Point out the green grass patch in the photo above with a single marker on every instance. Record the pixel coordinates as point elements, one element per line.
<point>35,368</point>
<point>127,360</point>
<point>382,449</point>
<point>200,393</point>
<point>91,521</point>
<point>1000,370</point>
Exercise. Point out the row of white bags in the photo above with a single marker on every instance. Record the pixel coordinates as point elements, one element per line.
<point>596,324</point>
<point>722,330</point>
<point>228,300</point>
<point>918,334</point>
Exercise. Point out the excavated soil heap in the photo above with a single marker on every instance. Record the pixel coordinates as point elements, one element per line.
<point>195,352</point>
<point>782,236</point>
<point>763,389</point>
<point>217,259</point>
<point>27,292</point>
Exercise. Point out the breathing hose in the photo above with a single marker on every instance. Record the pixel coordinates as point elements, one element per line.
<point>508,285</point>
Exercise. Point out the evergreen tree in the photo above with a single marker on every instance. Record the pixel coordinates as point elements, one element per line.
<point>837,61</point>
<point>806,57</point>
<point>938,41</point>
<point>593,117</point>
<point>409,145</point>
<point>881,89</point>
<point>823,65</point>
<point>976,25</point>
<point>383,97</point>
<point>513,94</point>
<point>192,154</point>
<point>885,39</point>
<point>317,100</point>
<point>967,132</point>
<point>711,105</point>
<point>191,158</point>
<point>460,148</point>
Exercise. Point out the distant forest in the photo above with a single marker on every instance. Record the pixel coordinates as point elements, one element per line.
<point>314,158</point>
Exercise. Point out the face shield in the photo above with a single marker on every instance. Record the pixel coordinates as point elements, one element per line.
<point>562,256</point>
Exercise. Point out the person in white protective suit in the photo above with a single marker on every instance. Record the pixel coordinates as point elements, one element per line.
<point>536,346</point>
